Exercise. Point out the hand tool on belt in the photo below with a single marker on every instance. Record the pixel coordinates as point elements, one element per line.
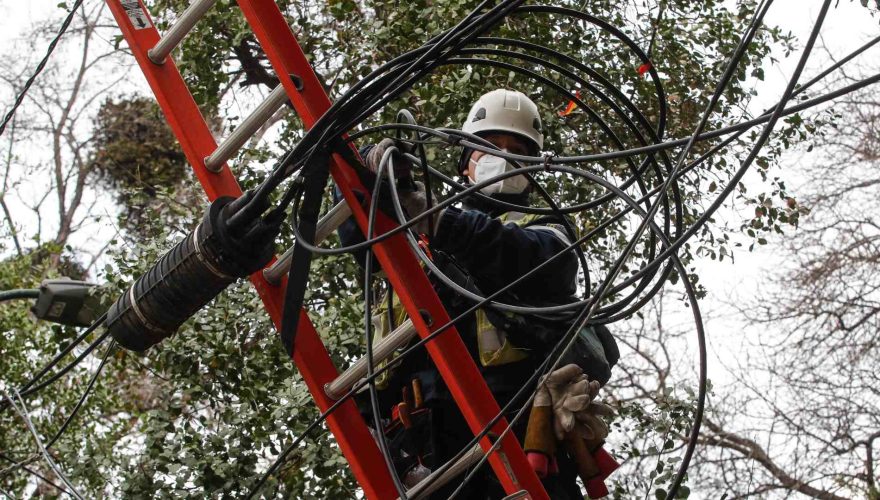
<point>408,434</point>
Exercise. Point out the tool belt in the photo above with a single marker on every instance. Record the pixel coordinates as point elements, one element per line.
<point>410,437</point>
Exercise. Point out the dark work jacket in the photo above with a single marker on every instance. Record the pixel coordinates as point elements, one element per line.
<point>493,254</point>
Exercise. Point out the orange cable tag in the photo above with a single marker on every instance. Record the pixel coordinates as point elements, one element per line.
<point>571,105</point>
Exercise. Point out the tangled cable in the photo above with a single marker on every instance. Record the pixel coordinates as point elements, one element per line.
<point>30,81</point>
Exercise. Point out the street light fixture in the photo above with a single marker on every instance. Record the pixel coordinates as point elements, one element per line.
<point>64,301</point>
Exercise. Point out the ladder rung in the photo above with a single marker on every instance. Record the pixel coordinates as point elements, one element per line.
<point>328,223</point>
<point>277,98</point>
<point>432,483</point>
<point>382,350</point>
<point>178,32</point>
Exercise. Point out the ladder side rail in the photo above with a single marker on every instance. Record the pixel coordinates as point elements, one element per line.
<point>409,280</point>
<point>311,357</point>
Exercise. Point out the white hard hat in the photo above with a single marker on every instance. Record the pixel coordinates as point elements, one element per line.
<point>507,111</point>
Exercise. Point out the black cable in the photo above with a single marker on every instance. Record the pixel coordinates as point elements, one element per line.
<point>21,409</point>
<point>361,94</point>
<point>647,220</point>
<point>601,23</point>
<point>89,387</point>
<point>405,116</point>
<point>368,327</point>
<point>60,373</point>
<point>631,245</point>
<point>279,171</point>
<point>34,473</point>
<point>644,270</point>
<point>457,288</point>
<point>662,146</point>
<point>374,99</point>
<point>30,81</point>
<point>390,364</point>
<point>669,248</point>
<point>738,129</point>
<point>24,390</point>
<point>731,129</point>
<point>393,362</point>
<point>697,419</point>
<point>399,209</point>
<point>488,20</point>
<point>638,275</point>
<point>19,293</point>
<point>570,336</point>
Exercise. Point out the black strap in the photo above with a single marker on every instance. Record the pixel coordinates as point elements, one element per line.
<point>315,175</point>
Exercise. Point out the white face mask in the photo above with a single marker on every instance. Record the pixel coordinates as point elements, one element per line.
<point>489,166</point>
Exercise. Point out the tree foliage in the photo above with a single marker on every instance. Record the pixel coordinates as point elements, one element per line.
<point>137,156</point>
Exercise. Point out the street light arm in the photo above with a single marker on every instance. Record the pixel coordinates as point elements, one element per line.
<point>19,293</point>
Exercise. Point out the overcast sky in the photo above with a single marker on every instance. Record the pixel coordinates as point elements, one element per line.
<point>847,27</point>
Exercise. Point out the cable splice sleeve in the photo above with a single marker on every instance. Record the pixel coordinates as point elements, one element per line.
<point>186,278</point>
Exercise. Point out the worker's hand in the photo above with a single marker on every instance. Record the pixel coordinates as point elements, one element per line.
<point>402,166</point>
<point>415,203</point>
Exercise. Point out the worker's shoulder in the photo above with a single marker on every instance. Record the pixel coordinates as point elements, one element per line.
<point>555,224</point>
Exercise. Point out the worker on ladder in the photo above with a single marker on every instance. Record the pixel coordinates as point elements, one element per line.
<point>483,247</point>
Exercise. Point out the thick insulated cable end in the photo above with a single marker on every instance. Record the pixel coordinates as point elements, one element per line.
<point>189,276</point>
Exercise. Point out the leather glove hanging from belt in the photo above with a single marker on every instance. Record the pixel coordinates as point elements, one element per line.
<point>564,411</point>
<point>571,394</point>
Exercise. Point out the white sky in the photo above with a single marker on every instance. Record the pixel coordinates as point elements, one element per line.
<point>846,28</point>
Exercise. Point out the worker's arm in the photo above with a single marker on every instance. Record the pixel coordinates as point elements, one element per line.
<point>411,193</point>
<point>413,202</point>
<point>496,254</point>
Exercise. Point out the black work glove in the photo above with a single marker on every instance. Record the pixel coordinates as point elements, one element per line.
<point>415,203</point>
<point>413,197</point>
<point>402,166</point>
